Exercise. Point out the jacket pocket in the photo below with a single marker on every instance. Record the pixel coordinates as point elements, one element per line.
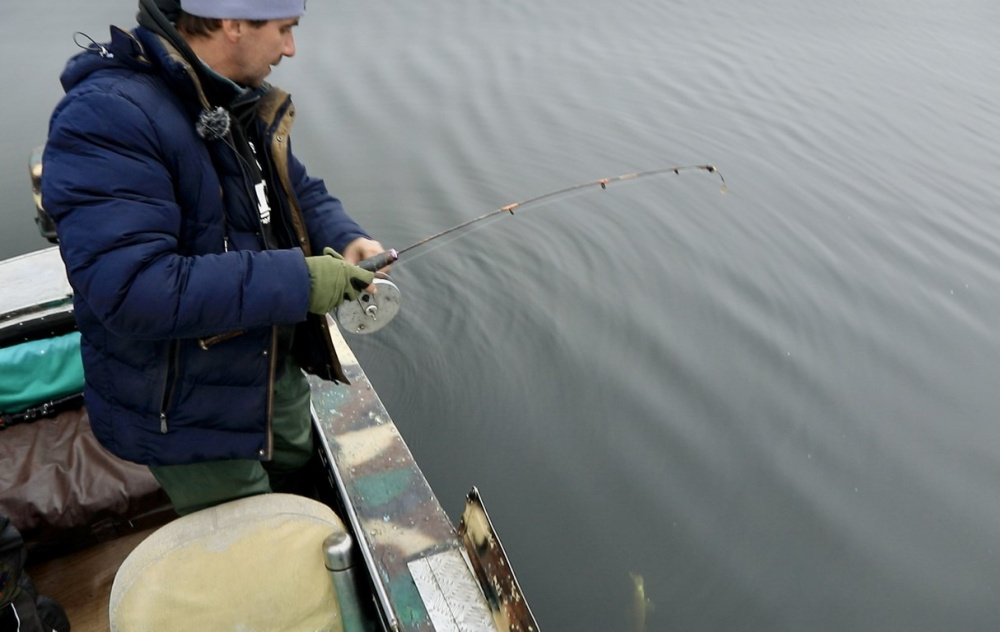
<point>211,341</point>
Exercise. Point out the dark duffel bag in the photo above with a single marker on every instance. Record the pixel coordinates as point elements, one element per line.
<point>22,609</point>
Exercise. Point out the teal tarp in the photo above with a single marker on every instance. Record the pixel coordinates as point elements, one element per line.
<point>39,371</point>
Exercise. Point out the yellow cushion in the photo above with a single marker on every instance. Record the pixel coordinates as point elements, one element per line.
<point>254,564</point>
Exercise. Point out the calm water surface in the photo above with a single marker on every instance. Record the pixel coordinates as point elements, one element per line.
<point>779,405</point>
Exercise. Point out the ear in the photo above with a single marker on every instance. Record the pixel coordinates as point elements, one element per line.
<point>233,29</point>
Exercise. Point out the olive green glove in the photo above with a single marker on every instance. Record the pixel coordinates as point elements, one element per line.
<point>333,281</point>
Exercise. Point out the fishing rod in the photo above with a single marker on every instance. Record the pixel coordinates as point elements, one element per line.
<point>370,312</point>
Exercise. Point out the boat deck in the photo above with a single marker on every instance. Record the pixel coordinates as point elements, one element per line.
<point>81,582</point>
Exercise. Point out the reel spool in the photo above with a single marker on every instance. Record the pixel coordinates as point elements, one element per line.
<point>370,312</point>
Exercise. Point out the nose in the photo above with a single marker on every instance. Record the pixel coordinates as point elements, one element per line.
<point>288,49</point>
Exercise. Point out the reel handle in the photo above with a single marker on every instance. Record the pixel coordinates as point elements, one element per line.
<point>379,261</point>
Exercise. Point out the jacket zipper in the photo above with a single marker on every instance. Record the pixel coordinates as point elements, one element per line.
<point>269,451</point>
<point>169,385</point>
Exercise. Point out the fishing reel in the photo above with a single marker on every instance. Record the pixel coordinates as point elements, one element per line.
<point>372,311</point>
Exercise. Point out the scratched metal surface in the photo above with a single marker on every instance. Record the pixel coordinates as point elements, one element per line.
<point>32,286</point>
<point>395,510</point>
<point>490,564</point>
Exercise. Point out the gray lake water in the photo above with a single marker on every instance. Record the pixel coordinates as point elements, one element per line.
<point>778,405</point>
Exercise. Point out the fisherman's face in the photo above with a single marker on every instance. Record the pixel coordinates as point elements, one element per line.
<point>261,47</point>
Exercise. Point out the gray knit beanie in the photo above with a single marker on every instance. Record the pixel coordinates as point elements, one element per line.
<point>245,9</point>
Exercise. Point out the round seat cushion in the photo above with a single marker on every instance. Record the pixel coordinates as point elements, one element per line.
<point>252,564</point>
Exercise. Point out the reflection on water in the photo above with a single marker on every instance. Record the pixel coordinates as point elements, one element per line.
<point>777,405</point>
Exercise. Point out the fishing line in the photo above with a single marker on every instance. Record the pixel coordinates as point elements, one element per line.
<point>449,238</point>
<point>383,259</point>
<point>370,312</point>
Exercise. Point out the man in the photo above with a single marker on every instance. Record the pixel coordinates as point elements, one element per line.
<point>201,253</point>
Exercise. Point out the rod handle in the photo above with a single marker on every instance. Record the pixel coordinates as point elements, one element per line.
<point>379,261</point>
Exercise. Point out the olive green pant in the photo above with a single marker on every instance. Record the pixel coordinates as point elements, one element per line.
<point>199,485</point>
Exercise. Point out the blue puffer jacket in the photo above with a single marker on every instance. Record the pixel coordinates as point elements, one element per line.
<point>159,234</point>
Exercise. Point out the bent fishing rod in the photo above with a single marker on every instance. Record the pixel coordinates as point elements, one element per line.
<point>370,312</point>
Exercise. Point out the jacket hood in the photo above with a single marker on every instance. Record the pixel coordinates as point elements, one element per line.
<point>154,44</point>
<point>141,51</point>
<point>123,51</point>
